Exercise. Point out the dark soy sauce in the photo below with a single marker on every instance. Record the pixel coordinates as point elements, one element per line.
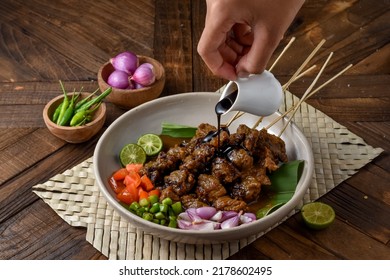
<point>222,107</point>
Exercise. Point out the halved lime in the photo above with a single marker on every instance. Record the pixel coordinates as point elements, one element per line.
<point>132,153</point>
<point>318,215</point>
<point>151,143</point>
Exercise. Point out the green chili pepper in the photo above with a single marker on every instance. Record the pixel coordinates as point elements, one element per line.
<point>82,117</point>
<point>84,100</point>
<point>65,104</point>
<point>69,111</point>
<point>95,100</point>
<point>57,113</point>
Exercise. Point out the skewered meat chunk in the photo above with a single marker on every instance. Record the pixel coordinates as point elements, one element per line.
<point>209,188</point>
<point>191,201</point>
<point>224,170</point>
<point>200,158</point>
<point>204,129</point>
<point>247,190</point>
<point>227,203</point>
<point>181,181</point>
<point>241,159</point>
<point>259,172</point>
<point>168,192</point>
<point>275,144</point>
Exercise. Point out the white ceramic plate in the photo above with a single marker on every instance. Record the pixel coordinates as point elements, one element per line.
<point>192,109</point>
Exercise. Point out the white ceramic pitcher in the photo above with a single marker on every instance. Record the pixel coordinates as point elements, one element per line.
<point>258,94</point>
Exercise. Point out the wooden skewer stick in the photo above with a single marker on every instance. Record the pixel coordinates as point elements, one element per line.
<point>284,87</point>
<point>304,63</point>
<point>330,80</point>
<point>298,77</point>
<point>282,53</point>
<point>307,92</point>
<point>310,95</point>
<point>235,117</point>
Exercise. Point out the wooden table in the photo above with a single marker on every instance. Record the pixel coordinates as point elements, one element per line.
<point>45,41</point>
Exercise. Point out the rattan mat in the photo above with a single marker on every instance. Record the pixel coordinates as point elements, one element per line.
<point>73,195</point>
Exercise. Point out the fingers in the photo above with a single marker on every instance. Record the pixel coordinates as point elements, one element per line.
<point>259,53</point>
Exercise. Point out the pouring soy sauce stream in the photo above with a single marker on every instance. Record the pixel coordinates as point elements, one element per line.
<point>220,108</point>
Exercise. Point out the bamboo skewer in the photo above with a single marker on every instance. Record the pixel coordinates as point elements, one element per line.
<point>307,92</point>
<point>304,63</point>
<point>282,53</point>
<point>284,87</point>
<point>308,96</point>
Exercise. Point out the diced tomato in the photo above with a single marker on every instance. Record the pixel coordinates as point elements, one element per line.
<point>134,167</point>
<point>154,192</point>
<point>128,195</point>
<point>146,184</point>
<point>116,186</point>
<point>120,174</point>
<point>132,179</point>
<point>142,194</point>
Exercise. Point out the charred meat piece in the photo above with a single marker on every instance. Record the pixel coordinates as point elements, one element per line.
<point>168,192</point>
<point>269,161</point>
<point>241,159</point>
<point>227,203</point>
<point>200,158</point>
<point>247,190</point>
<point>224,170</point>
<point>191,201</point>
<point>260,173</point>
<point>275,144</point>
<point>181,181</point>
<point>209,188</point>
<point>164,164</point>
<point>224,138</point>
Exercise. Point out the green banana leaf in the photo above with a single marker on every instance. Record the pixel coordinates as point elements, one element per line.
<point>177,130</point>
<point>283,184</point>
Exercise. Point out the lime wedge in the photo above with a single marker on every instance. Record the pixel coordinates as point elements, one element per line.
<point>151,143</point>
<point>318,215</point>
<point>132,153</point>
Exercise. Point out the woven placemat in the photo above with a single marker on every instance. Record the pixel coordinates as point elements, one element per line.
<point>73,195</point>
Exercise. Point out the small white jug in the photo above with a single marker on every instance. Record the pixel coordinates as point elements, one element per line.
<point>257,94</point>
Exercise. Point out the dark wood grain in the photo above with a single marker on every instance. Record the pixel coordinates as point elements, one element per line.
<point>44,41</point>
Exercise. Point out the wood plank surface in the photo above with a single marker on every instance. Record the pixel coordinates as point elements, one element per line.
<point>44,41</point>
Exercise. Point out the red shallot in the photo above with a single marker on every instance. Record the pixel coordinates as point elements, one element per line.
<point>209,218</point>
<point>144,75</point>
<point>119,79</point>
<point>126,62</point>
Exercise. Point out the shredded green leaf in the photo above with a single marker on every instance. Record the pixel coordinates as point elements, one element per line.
<point>177,130</point>
<point>283,184</point>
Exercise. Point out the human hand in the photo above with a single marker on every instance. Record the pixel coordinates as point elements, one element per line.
<point>241,35</point>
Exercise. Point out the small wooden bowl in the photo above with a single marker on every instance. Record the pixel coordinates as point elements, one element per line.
<point>130,98</point>
<point>76,134</point>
